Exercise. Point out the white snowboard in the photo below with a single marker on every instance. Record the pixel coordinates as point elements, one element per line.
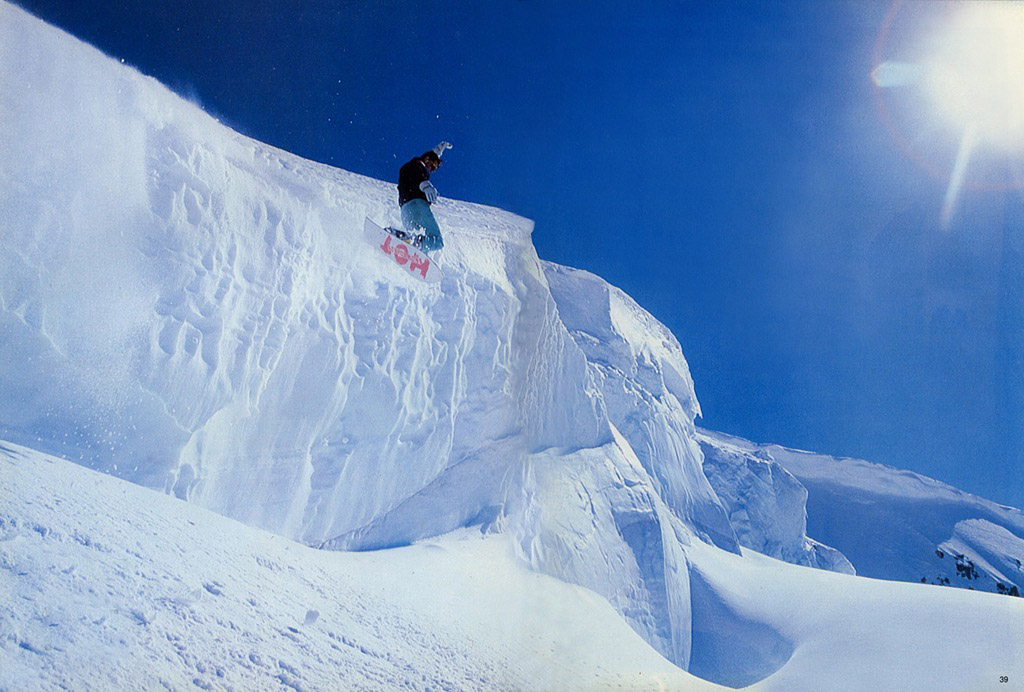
<point>407,257</point>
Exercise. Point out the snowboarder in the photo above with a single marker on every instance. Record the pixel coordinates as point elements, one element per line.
<point>415,195</point>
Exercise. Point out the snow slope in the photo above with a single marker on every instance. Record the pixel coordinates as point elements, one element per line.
<point>108,585</point>
<point>899,525</point>
<point>105,585</point>
<point>829,631</point>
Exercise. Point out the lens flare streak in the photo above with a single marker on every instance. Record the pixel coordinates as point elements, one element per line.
<point>965,61</point>
<point>956,180</point>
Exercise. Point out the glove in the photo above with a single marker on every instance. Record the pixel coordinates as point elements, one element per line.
<point>440,148</point>
<point>429,190</point>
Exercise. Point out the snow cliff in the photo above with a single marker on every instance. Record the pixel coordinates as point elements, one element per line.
<point>767,505</point>
<point>198,312</point>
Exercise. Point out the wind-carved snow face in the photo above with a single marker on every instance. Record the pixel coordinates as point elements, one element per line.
<point>274,369</point>
<point>644,380</point>
<point>198,312</point>
<point>767,505</point>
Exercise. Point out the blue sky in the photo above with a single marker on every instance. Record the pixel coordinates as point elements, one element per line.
<point>725,163</point>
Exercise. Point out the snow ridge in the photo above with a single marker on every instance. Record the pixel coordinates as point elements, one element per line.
<point>890,523</point>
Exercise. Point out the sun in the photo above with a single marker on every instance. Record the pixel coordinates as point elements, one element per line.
<point>964,62</point>
<point>976,75</point>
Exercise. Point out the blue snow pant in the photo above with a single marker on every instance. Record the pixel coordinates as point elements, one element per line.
<point>417,218</point>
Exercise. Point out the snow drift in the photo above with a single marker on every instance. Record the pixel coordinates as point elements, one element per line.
<point>106,585</point>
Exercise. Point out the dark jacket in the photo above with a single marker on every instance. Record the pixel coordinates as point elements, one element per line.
<point>409,178</point>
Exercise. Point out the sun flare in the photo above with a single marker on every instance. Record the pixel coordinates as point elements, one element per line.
<point>976,75</point>
<point>963,64</point>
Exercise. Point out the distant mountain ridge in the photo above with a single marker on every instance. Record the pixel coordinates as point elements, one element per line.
<point>889,523</point>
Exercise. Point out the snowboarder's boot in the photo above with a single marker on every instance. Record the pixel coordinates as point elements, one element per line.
<point>414,239</point>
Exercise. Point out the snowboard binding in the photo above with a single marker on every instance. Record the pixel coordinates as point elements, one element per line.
<point>414,239</point>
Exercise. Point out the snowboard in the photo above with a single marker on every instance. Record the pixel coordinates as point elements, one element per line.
<point>412,260</point>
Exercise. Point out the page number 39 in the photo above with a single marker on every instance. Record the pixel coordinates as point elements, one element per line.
<point>1004,678</point>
